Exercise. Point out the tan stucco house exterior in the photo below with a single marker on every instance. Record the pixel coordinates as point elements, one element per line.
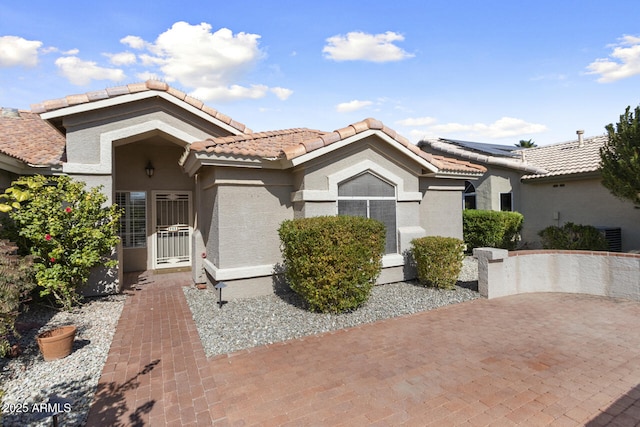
<point>550,185</point>
<point>203,192</point>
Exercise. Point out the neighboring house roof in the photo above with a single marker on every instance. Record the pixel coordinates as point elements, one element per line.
<point>293,143</point>
<point>149,87</point>
<point>484,148</point>
<point>566,158</point>
<point>490,155</point>
<point>26,137</point>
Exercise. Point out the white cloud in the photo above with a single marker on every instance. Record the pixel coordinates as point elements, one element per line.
<point>365,47</point>
<point>122,58</point>
<point>196,57</point>
<point>81,72</point>
<point>351,106</point>
<point>144,76</point>
<point>282,93</point>
<point>16,51</point>
<point>230,93</point>
<point>502,128</point>
<point>622,63</point>
<point>212,63</point>
<point>417,121</point>
<point>134,42</point>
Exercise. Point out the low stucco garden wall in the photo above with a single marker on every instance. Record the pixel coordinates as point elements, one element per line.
<point>612,274</point>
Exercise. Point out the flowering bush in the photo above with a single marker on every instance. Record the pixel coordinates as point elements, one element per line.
<point>65,228</point>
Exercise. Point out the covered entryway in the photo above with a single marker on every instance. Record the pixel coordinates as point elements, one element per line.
<point>157,204</point>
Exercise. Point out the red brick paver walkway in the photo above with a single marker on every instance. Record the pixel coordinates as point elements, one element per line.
<point>534,360</point>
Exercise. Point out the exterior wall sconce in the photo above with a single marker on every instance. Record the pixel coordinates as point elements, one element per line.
<point>149,169</point>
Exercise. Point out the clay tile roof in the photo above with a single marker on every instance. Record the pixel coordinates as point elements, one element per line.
<point>25,136</point>
<point>567,158</point>
<point>149,85</point>
<point>291,143</point>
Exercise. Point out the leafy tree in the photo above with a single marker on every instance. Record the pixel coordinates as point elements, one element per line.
<point>526,144</point>
<point>66,229</point>
<point>620,157</point>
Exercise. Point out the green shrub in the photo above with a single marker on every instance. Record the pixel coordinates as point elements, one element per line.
<point>332,262</point>
<point>492,229</point>
<point>16,283</point>
<point>438,260</point>
<point>573,237</point>
<point>65,227</point>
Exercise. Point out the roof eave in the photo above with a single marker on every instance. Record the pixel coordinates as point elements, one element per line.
<point>192,161</point>
<point>455,175</point>
<point>562,176</point>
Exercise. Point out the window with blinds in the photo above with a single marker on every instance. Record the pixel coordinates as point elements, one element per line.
<point>133,222</point>
<point>371,197</point>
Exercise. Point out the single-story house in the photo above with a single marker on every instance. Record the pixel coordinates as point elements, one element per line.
<point>202,191</point>
<point>550,185</point>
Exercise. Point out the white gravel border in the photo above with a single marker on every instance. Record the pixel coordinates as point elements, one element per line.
<point>28,380</point>
<point>251,322</point>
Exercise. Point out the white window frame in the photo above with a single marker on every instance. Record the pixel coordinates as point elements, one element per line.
<point>129,221</point>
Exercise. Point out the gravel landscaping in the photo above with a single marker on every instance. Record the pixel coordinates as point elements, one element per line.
<point>28,380</point>
<point>251,322</point>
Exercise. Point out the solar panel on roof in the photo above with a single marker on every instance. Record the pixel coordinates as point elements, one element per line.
<point>485,148</point>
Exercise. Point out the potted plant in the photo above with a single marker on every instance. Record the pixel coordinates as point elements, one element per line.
<point>56,343</point>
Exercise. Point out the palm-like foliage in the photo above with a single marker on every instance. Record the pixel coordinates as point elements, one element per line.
<point>526,143</point>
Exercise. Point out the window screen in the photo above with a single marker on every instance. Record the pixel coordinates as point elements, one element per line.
<point>369,196</point>
<point>366,185</point>
<point>132,226</point>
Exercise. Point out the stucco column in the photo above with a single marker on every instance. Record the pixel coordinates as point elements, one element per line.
<point>485,257</point>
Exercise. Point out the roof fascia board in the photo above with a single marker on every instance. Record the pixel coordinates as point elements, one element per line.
<point>13,165</point>
<point>455,175</point>
<point>562,177</point>
<point>138,96</point>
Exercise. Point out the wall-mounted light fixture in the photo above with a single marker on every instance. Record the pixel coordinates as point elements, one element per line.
<point>149,169</point>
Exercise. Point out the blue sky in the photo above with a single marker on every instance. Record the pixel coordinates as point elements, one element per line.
<point>490,71</point>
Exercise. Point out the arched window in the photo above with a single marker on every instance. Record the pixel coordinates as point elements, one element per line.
<point>371,197</point>
<point>469,196</point>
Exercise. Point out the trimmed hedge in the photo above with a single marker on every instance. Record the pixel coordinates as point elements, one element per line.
<point>332,261</point>
<point>492,229</point>
<point>573,237</point>
<point>438,260</point>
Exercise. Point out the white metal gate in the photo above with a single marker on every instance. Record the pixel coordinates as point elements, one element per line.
<point>172,219</point>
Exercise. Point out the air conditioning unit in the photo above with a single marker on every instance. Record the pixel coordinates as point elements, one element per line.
<point>613,235</point>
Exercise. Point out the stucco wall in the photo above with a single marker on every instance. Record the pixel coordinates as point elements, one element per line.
<point>494,182</point>
<point>584,202</point>
<point>440,211</point>
<point>502,273</point>
<point>85,130</point>
<point>247,207</point>
<point>370,149</point>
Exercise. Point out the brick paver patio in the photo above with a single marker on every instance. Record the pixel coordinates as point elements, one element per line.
<point>534,360</point>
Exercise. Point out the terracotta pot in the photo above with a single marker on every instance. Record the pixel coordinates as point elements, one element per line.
<point>56,343</point>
